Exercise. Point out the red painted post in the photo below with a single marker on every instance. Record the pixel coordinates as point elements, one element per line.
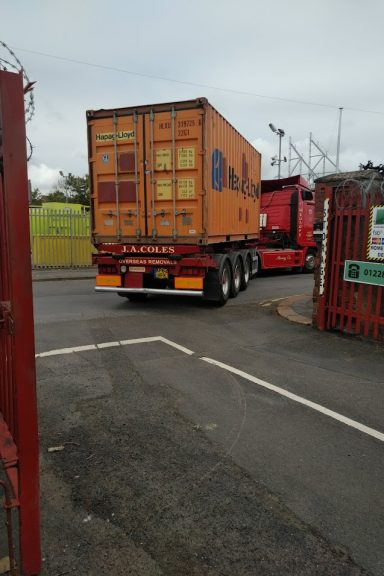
<point>16,287</point>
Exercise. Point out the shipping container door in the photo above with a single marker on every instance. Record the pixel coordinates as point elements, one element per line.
<point>173,184</point>
<point>117,168</point>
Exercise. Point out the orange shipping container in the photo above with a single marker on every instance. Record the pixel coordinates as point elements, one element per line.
<point>171,173</point>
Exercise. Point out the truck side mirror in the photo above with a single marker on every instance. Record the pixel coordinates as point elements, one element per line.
<point>318,231</point>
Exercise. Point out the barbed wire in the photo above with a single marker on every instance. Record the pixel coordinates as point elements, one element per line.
<point>353,193</point>
<point>15,64</point>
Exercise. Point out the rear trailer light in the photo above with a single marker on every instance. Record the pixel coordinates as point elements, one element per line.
<point>188,283</point>
<point>108,280</point>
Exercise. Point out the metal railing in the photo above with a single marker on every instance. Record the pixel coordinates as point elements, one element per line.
<point>60,238</point>
<point>353,307</point>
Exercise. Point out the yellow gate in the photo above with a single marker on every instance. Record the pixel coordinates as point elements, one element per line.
<point>60,236</point>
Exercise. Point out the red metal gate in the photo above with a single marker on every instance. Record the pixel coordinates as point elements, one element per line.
<point>348,306</point>
<point>18,409</point>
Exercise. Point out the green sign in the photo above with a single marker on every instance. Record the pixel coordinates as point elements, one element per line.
<point>364,272</point>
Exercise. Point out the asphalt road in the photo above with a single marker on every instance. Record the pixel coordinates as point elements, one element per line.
<point>178,460</point>
<point>75,299</point>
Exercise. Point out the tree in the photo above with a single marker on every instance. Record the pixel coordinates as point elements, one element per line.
<point>55,196</point>
<point>36,197</point>
<point>70,189</point>
<point>74,188</point>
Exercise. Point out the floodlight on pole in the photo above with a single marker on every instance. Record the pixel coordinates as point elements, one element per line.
<point>280,133</point>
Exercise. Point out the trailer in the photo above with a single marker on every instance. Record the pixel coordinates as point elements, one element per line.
<point>175,201</point>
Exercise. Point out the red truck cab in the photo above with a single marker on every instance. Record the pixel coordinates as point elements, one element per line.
<point>286,224</point>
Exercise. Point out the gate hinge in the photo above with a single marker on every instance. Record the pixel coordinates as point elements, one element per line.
<point>6,319</point>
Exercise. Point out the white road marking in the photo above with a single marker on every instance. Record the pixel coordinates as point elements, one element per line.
<point>177,346</point>
<point>335,415</point>
<point>140,340</point>
<point>294,397</point>
<point>102,345</point>
<point>84,348</point>
<point>54,352</point>
<point>107,345</point>
<point>269,302</point>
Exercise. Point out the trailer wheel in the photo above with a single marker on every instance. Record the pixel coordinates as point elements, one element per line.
<point>257,268</point>
<point>224,279</point>
<point>309,264</point>
<point>237,274</point>
<point>246,273</point>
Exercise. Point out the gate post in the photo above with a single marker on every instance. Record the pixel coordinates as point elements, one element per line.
<point>18,404</point>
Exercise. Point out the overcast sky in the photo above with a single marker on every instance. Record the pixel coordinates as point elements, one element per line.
<point>289,62</point>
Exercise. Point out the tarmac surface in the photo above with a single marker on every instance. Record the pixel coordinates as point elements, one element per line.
<point>171,455</point>
<point>296,309</point>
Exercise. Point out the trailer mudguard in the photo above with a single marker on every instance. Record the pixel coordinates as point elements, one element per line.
<point>211,287</point>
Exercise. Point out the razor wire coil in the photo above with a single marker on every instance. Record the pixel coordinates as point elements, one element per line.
<point>14,63</point>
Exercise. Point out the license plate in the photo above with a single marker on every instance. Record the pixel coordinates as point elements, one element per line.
<point>137,268</point>
<point>160,273</point>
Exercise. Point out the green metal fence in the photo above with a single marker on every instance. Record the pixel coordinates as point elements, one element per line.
<point>60,238</point>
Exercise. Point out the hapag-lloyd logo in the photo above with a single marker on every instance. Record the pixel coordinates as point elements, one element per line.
<point>148,249</point>
<point>120,135</point>
<point>224,176</point>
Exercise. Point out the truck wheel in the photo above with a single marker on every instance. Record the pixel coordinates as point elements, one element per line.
<point>246,273</point>
<point>237,275</point>
<point>309,264</point>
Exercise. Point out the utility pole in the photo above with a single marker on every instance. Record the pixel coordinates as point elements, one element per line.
<point>338,141</point>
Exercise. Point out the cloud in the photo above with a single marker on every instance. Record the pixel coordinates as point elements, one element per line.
<point>266,150</point>
<point>43,177</point>
<point>250,80</point>
<point>351,159</point>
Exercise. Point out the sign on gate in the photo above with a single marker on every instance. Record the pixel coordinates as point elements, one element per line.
<point>364,272</point>
<point>375,248</point>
